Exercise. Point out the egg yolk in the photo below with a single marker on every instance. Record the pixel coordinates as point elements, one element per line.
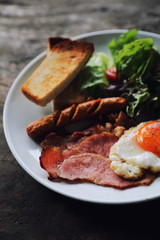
<point>148,137</point>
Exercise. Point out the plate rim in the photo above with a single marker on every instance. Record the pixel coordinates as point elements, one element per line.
<point>7,136</point>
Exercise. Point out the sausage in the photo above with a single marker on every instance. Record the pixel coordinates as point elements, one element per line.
<point>89,109</point>
<point>41,127</point>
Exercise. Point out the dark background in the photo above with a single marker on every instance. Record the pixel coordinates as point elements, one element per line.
<point>27,209</point>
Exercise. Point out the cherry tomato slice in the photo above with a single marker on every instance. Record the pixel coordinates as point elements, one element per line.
<point>111,74</point>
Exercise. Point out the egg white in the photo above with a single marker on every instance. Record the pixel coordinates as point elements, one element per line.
<point>128,159</point>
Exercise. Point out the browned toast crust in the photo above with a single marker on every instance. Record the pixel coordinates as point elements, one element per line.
<point>52,41</point>
<point>61,65</point>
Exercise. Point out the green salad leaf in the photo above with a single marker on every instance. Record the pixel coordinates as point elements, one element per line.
<point>137,62</point>
<point>116,45</point>
<point>136,58</point>
<point>93,77</point>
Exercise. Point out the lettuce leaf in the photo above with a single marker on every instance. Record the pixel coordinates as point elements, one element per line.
<point>116,45</point>
<point>137,62</point>
<point>93,77</point>
<point>136,58</point>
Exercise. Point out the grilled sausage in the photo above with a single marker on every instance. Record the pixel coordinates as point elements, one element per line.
<point>89,109</point>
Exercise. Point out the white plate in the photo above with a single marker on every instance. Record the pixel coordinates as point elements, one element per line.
<point>19,112</point>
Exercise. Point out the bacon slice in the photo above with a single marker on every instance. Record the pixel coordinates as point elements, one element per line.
<point>97,143</point>
<point>86,160</point>
<point>72,140</point>
<point>95,168</point>
<point>89,109</point>
<point>51,159</point>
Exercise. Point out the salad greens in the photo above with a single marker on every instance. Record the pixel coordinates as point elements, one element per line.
<point>137,64</point>
<point>92,77</point>
<point>135,58</point>
<point>115,46</point>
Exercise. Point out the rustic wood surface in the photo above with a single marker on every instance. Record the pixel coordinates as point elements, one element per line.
<point>27,209</point>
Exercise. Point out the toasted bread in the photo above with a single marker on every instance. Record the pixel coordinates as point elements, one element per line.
<point>62,63</point>
<point>70,95</point>
<point>52,41</point>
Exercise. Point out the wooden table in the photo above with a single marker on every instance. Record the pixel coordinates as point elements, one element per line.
<point>27,209</point>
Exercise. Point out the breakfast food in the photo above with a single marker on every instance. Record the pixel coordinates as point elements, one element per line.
<point>96,168</point>
<point>71,94</point>
<point>114,94</point>
<point>137,150</point>
<point>85,157</point>
<point>61,65</point>
<point>89,109</point>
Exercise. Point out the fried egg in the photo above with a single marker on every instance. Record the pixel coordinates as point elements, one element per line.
<point>137,150</point>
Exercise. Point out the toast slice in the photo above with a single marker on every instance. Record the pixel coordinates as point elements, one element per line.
<point>71,95</point>
<point>52,41</point>
<point>64,60</point>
